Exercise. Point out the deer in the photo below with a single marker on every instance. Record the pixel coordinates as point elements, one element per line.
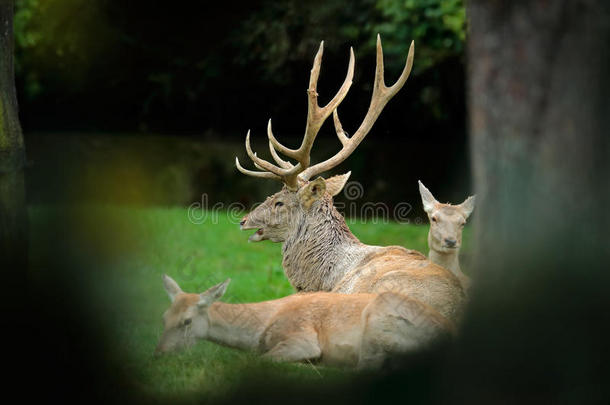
<point>445,235</point>
<point>345,330</point>
<point>319,252</point>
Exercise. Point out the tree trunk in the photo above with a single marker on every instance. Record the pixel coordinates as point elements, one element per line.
<point>13,222</point>
<point>538,94</point>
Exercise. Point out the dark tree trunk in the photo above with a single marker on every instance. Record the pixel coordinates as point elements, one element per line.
<point>539,100</point>
<point>13,222</point>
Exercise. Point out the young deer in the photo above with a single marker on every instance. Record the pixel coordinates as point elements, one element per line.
<point>445,235</point>
<point>336,329</point>
<point>319,251</point>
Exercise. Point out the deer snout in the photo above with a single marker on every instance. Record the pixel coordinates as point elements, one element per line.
<point>450,242</point>
<point>243,221</point>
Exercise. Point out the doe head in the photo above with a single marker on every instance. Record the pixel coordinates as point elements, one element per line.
<point>446,221</point>
<point>186,320</point>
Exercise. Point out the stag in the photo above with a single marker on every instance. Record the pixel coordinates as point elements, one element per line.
<point>319,251</point>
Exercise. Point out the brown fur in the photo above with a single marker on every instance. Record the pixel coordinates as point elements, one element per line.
<point>445,235</point>
<point>339,329</point>
<point>321,254</point>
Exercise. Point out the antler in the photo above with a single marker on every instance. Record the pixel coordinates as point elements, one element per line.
<point>316,115</point>
<point>381,95</point>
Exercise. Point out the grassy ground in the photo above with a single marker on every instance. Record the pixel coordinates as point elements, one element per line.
<point>142,244</point>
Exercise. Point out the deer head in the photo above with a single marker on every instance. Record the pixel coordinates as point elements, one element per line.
<point>446,221</point>
<point>186,320</point>
<point>279,215</point>
<point>281,212</point>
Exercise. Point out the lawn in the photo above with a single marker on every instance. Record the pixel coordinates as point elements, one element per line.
<point>143,243</point>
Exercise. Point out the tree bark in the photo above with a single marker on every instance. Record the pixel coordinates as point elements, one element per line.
<point>538,96</point>
<point>13,217</point>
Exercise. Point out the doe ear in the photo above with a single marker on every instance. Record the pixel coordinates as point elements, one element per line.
<point>171,287</point>
<point>468,205</point>
<point>335,184</point>
<point>426,198</point>
<point>312,192</point>
<point>213,293</point>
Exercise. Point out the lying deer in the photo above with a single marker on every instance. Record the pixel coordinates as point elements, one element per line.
<point>335,329</point>
<point>445,235</point>
<point>319,251</point>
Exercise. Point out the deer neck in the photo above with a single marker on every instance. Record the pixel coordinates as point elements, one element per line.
<point>448,260</point>
<point>321,250</point>
<point>239,325</point>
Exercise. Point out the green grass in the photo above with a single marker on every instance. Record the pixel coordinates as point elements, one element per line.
<point>142,244</point>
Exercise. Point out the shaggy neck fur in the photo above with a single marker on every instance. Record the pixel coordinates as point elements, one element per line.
<point>239,325</point>
<point>321,250</point>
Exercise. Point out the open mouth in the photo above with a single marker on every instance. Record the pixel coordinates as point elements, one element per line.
<point>256,236</point>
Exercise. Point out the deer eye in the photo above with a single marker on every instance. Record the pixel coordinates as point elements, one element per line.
<point>433,219</point>
<point>187,321</point>
<point>279,204</point>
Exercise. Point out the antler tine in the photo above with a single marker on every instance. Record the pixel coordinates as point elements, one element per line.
<point>261,164</point>
<point>381,95</point>
<point>287,175</point>
<point>339,129</point>
<point>316,115</point>
<point>263,175</point>
<point>404,75</point>
<point>257,166</point>
<point>284,164</point>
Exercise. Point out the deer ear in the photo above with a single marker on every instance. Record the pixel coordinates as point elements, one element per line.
<point>213,294</point>
<point>426,198</point>
<point>467,206</point>
<point>171,287</point>
<point>335,184</point>
<point>312,192</point>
